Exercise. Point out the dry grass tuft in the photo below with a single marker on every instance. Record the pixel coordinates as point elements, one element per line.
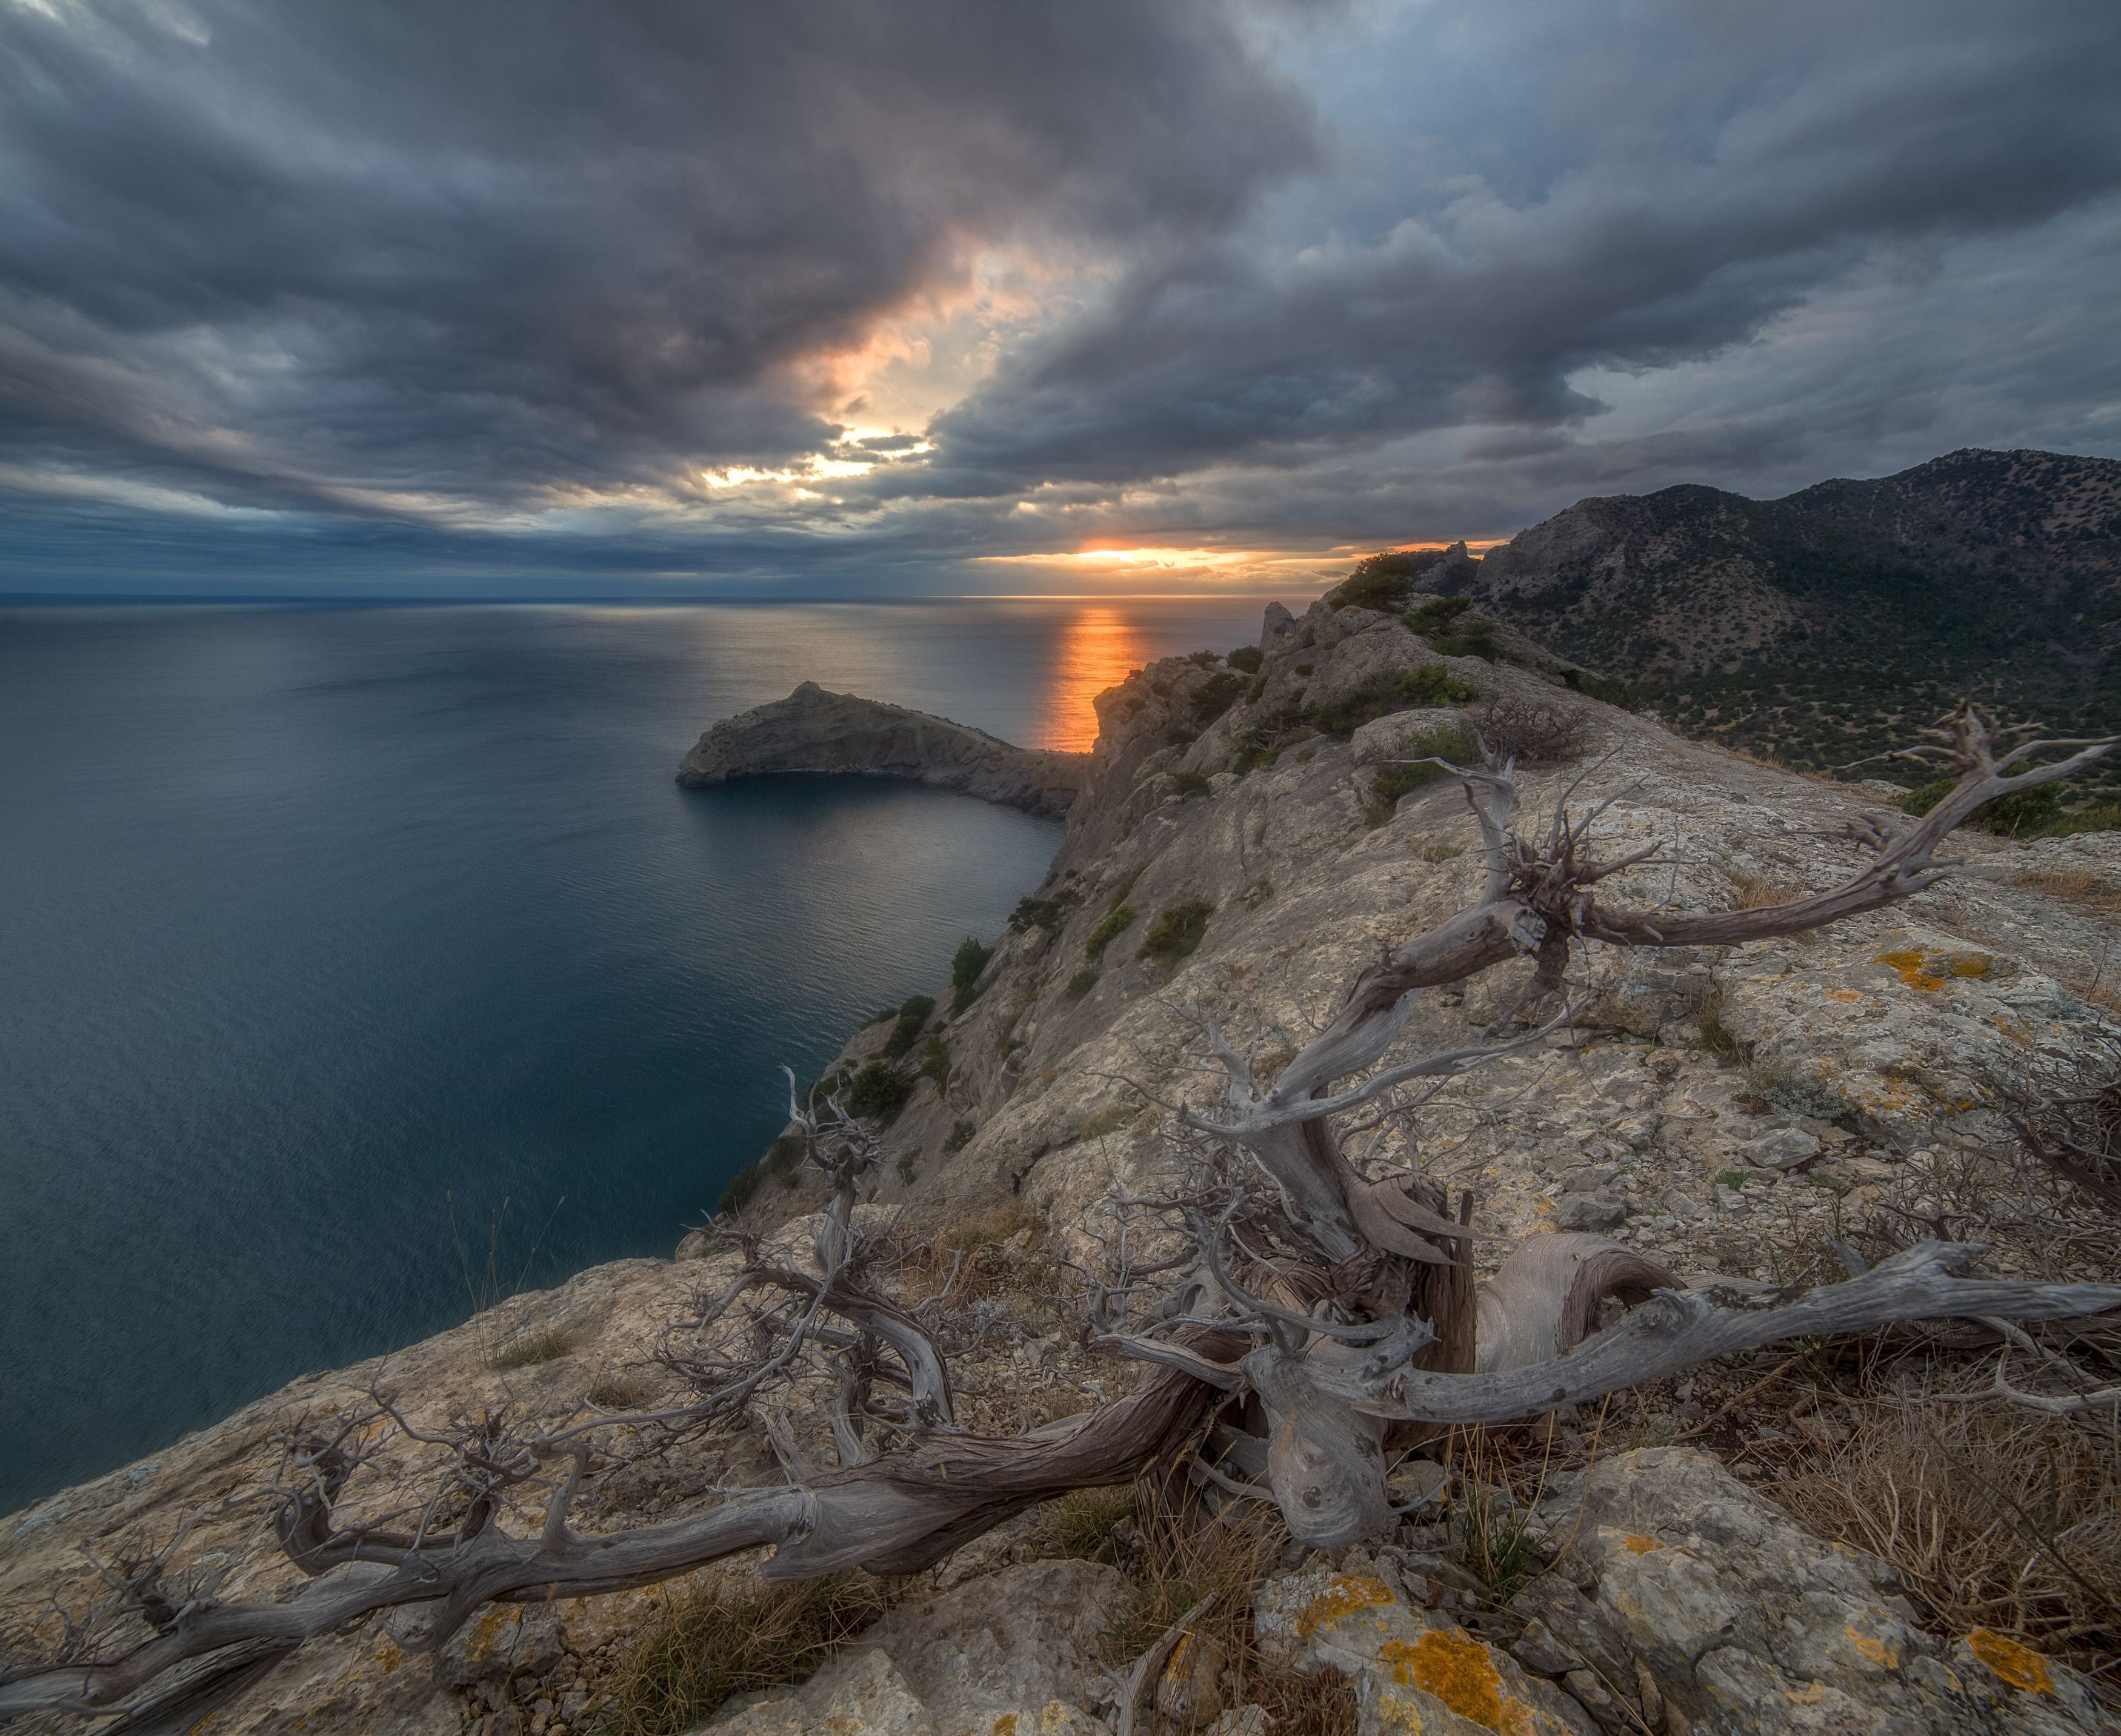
<point>616,1392</point>
<point>978,1256</point>
<point>1755,893</point>
<point>723,1639</point>
<point>547,1344</point>
<point>1996,1517</point>
<point>2078,886</point>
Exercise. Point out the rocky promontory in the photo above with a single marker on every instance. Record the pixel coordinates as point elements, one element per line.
<point>813,730</point>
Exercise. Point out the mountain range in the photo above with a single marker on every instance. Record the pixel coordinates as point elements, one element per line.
<point>1828,624</point>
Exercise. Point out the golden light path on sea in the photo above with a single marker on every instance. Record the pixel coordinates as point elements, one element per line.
<point>1101,647</point>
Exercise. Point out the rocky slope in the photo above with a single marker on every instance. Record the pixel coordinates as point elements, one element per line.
<point>814,730</point>
<point>1238,849</point>
<point>1817,619</point>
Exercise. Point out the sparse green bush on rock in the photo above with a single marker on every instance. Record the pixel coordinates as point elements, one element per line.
<point>1376,583</point>
<point>1430,685</point>
<point>911,1016</point>
<point>1175,934</point>
<point>2023,814</point>
<point>879,1093</point>
<point>965,964</point>
<point>1247,659</point>
<point>935,1062</point>
<point>1117,921</point>
<point>1081,983</point>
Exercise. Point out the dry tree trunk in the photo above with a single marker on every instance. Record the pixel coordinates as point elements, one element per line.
<point>1341,1308</point>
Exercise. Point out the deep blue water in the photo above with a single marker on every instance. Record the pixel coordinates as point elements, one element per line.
<point>323,930</point>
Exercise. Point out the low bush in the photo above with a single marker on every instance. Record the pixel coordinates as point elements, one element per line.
<point>1109,1120</point>
<point>1430,685</point>
<point>1081,983</point>
<point>1177,932</point>
<point>1247,659</point>
<point>1117,921</point>
<point>911,1016</point>
<point>1389,782</point>
<point>965,964</point>
<point>2023,814</point>
<point>879,1093</point>
<point>742,1185</point>
<point>935,1062</point>
<point>1442,623</point>
<point>1217,694</point>
<point>1539,731</point>
<point>961,1133</point>
<point>1190,783</point>
<point>1378,581</point>
<point>1037,913</point>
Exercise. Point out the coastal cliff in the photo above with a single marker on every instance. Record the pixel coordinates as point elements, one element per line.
<point>813,730</point>
<point>1244,839</point>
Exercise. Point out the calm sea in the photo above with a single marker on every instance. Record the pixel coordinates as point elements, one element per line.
<point>340,947</point>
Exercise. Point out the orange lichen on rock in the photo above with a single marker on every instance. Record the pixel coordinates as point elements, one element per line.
<point>1343,1596</point>
<point>1456,1668</point>
<point>1928,973</point>
<point>1637,1544</point>
<point>1885,1656</point>
<point>2019,1665</point>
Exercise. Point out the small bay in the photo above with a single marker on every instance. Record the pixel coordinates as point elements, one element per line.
<point>343,948</point>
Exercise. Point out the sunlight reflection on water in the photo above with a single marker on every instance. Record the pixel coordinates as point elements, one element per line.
<point>1100,648</point>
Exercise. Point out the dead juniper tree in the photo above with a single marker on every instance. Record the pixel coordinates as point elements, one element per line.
<point>1311,1311</point>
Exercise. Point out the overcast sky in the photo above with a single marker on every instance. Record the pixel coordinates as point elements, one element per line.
<point>449,297</point>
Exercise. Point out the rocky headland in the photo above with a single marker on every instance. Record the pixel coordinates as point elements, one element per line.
<point>813,730</point>
<point>1247,836</point>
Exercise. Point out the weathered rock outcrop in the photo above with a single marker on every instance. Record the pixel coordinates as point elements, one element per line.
<point>1870,1055</point>
<point>813,730</point>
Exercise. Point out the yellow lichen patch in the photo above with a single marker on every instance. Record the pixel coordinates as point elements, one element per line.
<point>1811,1694</point>
<point>1845,996</point>
<point>1004,1725</point>
<point>487,1634</point>
<point>1342,1597</point>
<point>1637,1544</point>
<point>1909,964</point>
<point>2020,1666</point>
<point>1452,1666</point>
<point>388,1656</point>
<point>1885,1656</point>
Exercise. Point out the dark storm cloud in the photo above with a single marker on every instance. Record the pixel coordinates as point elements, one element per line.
<point>455,291</point>
<point>1646,189</point>
<point>305,254</point>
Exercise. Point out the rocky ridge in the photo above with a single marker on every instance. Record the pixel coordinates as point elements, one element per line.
<point>1718,1110</point>
<point>813,730</point>
<point>1816,625</point>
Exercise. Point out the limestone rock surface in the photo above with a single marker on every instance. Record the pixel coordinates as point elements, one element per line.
<point>813,730</point>
<point>1011,1652</point>
<point>1753,1626</point>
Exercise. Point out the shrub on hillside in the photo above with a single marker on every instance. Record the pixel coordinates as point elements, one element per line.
<point>880,1091</point>
<point>2023,814</point>
<point>913,1015</point>
<point>1175,933</point>
<point>1539,732</point>
<point>1378,582</point>
<point>1117,921</point>
<point>965,964</point>
<point>1430,685</point>
<point>1247,659</point>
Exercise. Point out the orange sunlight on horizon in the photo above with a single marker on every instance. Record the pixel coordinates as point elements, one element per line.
<point>1102,648</point>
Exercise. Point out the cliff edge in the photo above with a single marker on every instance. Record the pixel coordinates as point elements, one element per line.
<point>813,730</point>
